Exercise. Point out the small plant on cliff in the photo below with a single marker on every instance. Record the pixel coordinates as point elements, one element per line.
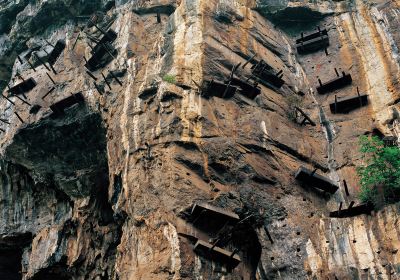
<point>169,79</point>
<point>293,101</point>
<point>380,173</point>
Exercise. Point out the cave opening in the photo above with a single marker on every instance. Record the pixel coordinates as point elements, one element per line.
<point>294,20</point>
<point>10,263</point>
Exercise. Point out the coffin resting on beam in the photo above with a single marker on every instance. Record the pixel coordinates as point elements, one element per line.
<point>213,213</point>
<point>312,42</point>
<point>348,104</point>
<point>59,107</point>
<point>314,180</point>
<point>365,208</point>
<point>247,89</point>
<point>99,57</point>
<point>219,89</point>
<point>23,87</point>
<point>311,36</point>
<point>264,72</point>
<point>109,37</point>
<point>56,52</point>
<point>217,254</point>
<point>334,84</point>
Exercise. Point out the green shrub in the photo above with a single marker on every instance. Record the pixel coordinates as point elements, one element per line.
<point>169,78</point>
<point>293,101</point>
<point>380,173</point>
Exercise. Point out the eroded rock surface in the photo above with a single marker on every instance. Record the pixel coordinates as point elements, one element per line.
<point>104,188</point>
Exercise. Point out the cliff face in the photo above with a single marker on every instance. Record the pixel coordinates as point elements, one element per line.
<point>99,174</point>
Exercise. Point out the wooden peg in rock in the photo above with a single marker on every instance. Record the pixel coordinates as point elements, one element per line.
<point>42,62</point>
<point>104,77</point>
<point>30,64</point>
<point>8,99</point>
<point>351,204</point>
<point>248,61</point>
<point>335,103</point>
<point>4,121</point>
<point>313,172</point>
<point>91,75</point>
<point>19,59</point>
<point>268,234</point>
<point>158,17</point>
<point>48,75</point>
<point>19,117</point>
<point>116,78</point>
<point>97,88</point>
<point>48,43</point>
<point>345,188</point>
<point>20,76</point>
<point>336,71</point>
<point>76,40</point>
<point>50,91</point>
<point>26,102</point>
<point>100,29</point>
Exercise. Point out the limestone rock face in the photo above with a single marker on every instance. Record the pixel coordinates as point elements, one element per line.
<point>100,169</point>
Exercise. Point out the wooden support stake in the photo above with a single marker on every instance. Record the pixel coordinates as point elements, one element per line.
<point>91,75</point>
<point>306,117</point>
<point>351,204</point>
<point>335,104</point>
<point>19,76</point>
<point>19,117</point>
<point>345,188</point>
<point>76,40</point>
<point>233,253</point>
<point>48,75</point>
<point>104,77</point>
<point>268,234</point>
<point>158,17</point>
<point>336,71</point>
<point>326,51</point>
<point>30,64</point>
<point>108,51</point>
<point>26,102</point>
<point>4,121</point>
<point>50,44</point>
<point>100,29</point>
<point>20,60</point>
<point>52,68</point>
<point>97,88</point>
<point>248,61</point>
<point>50,91</point>
<point>197,85</point>
<point>313,172</point>
<point>42,62</point>
<point>116,78</point>
<point>8,99</point>
<point>319,81</point>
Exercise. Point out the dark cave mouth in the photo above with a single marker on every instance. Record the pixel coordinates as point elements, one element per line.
<point>71,149</point>
<point>294,20</point>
